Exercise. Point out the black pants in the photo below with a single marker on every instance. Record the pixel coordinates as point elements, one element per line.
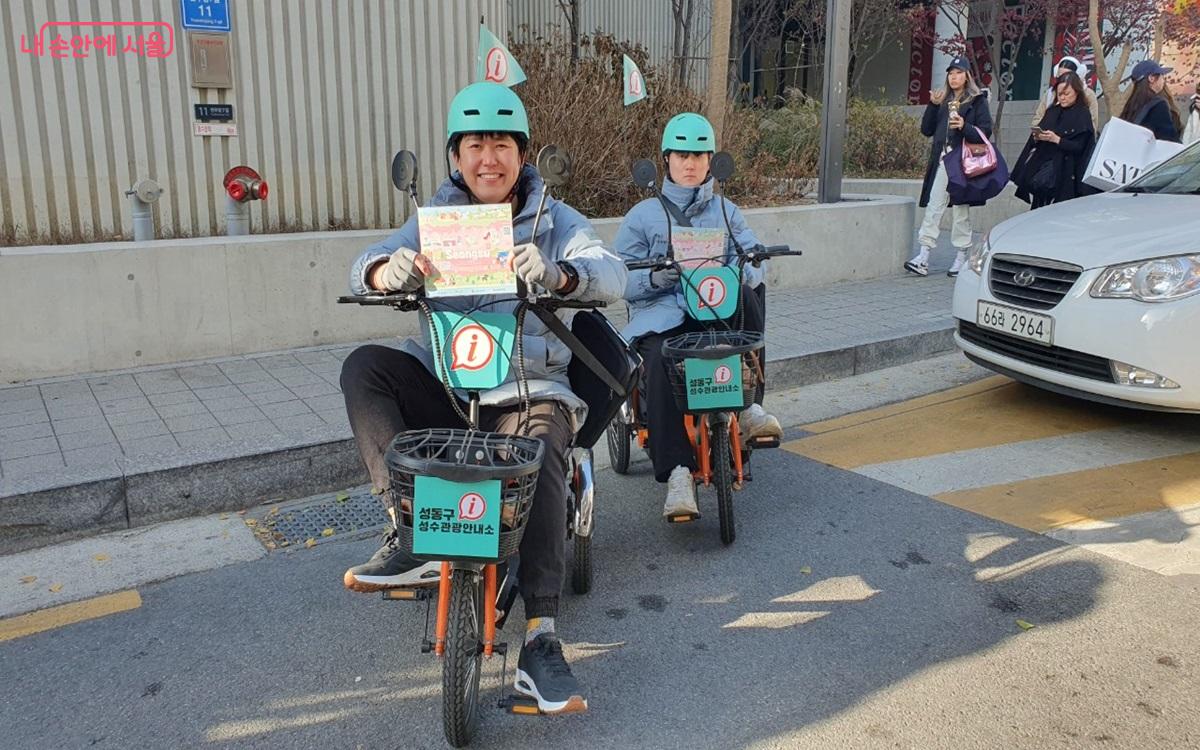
<point>388,391</point>
<point>669,446</point>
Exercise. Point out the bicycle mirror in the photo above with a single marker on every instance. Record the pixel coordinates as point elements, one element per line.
<point>404,170</point>
<point>645,174</point>
<point>554,164</point>
<point>722,166</point>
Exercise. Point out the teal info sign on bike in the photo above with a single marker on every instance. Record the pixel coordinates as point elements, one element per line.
<point>456,519</point>
<point>714,383</point>
<point>476,349</point>
<point>711,293</point>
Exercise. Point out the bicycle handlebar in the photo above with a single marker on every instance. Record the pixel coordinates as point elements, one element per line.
<point>755,256</point>
<point>410,302</point>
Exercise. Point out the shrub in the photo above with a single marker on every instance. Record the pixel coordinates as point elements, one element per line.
<point>581,109</point>
<point>881,141</point>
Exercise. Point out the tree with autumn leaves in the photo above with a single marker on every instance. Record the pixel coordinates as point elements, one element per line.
<point>1130,29</point>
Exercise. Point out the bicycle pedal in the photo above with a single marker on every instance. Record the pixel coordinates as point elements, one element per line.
<point>408,594</point>
<point>520,705</point>
<point>683,517</point>
<point>766,441</point>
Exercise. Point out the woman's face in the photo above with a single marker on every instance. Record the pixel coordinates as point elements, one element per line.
<point>957,79</point>
<point>1066,95</point>
<point>1156,82</point>
<point>688,168</point>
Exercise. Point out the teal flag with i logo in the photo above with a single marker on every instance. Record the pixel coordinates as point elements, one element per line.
<point>711,293</point>
<point>476,349</point>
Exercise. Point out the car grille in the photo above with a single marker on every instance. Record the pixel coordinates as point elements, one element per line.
<point>1054,358</point>
<point>1051,280</point>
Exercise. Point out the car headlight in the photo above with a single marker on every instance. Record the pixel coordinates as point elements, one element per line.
<point>979,253</point>
<point>1154,280</point>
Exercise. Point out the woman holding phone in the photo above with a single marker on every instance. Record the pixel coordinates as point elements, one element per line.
<point>1051,167</point>
<point>957,112</point>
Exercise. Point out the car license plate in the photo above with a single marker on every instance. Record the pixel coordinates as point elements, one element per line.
<point>1014,322</point>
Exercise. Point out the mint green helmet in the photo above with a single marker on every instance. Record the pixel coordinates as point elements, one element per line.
<point>486,108</point>
<point>689,131</point>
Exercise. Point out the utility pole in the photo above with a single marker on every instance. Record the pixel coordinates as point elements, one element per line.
<point>718,65</point>
<point>833,101</point>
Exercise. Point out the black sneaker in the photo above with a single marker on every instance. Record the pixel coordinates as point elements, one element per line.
<point>391,568</point>
<point>543,673</point>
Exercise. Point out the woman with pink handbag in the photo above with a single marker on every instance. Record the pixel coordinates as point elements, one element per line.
<point>1051,167</point>
<point>957,115</point>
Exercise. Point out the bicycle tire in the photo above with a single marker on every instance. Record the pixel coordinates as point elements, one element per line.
<point>722,466</point>
<point>462,661</point>
<point>581,570</point>
<point>617,434</point>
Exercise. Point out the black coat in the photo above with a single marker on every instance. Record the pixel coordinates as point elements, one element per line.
<point>1068,158</point>
<point>935,125</point>
<point>1158,119</point>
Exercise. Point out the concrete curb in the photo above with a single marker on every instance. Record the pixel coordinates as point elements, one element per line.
<point>142,492</point>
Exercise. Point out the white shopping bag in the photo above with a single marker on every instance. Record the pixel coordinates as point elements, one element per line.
<point>1123,153</point>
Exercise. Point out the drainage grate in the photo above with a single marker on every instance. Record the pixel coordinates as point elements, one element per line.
<point>317,519</point>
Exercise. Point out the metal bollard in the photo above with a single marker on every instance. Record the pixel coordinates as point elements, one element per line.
<point>242,185</point>
<point>142,196</point>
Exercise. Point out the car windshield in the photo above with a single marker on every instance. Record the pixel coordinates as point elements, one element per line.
<point>1179,175</point>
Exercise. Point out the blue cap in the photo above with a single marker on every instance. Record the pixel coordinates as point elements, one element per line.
<point>959,63</point>
<point>1148,68</point>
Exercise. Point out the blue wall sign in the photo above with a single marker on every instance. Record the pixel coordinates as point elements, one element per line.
<point>205,15</point>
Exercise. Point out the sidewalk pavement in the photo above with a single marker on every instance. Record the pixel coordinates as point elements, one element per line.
<point>86,454</point>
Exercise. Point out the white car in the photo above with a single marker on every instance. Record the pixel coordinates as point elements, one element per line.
<point>1097,297</point>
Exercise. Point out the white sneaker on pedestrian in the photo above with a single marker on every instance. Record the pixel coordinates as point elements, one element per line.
<point>960,260</point>
<point>681,496</point>
<point>755,422</point>
<point>919,264</point>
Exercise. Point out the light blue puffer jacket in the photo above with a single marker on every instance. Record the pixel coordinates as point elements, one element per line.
<point>563,234</point>
<point>643,234</point>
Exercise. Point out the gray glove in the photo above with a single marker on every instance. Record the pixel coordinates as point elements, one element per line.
<point>664,277</point>
<point>535,268</point>
<point>402,272</point>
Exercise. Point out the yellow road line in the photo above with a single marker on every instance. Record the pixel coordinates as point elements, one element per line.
<point>979,415</point>
<point>68,614</point>
<point>1111,492</point>
<point>903,407</point>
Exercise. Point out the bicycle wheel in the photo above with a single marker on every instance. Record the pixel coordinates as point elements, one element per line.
<point>722,466</point>
<point>581,571</point>
<point>618,445</point>
<point>462,660</point>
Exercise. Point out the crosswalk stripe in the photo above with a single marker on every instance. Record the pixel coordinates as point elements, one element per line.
<point>1062,500</point>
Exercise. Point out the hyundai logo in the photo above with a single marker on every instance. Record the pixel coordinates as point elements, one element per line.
<point>1024,277</point>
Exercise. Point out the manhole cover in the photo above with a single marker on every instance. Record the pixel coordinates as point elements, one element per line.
<point>317,519</point>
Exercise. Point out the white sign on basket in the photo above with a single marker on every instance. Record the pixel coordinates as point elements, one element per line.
<point>1125,152</point>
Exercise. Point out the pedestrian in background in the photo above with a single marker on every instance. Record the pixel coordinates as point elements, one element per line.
<point>1150,104</point>
<point>1053,163</point>
<point>1191,133</point>
<point>1067,65</point>
<point>957,111</point>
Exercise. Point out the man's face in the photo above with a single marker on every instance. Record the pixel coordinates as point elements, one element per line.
<point>688,168</point>
<point>490,166</point>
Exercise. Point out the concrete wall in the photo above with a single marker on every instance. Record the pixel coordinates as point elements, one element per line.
<point>85,308</point>
<point>983,218</point>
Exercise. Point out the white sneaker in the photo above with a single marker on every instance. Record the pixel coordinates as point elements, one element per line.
<point>756,422</point>
<point>960,260</point>
<point>919,264</point>
<point>681,494</point>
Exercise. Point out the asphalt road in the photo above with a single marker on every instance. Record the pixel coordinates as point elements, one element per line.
<point>848,613</point>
